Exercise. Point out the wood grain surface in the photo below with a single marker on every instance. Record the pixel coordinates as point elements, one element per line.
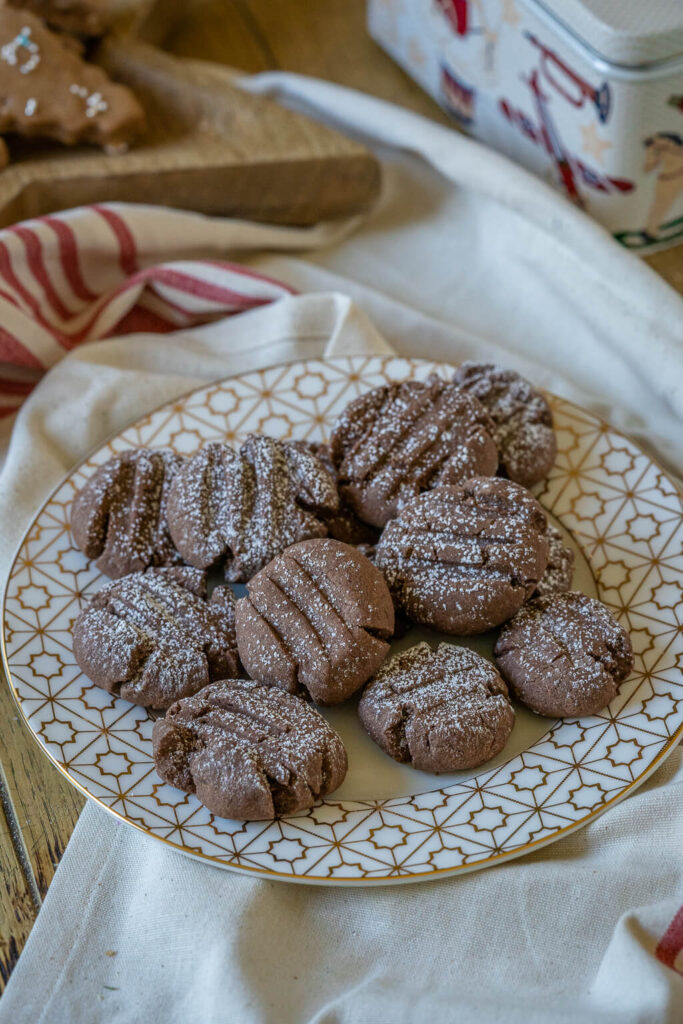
<point>208,147</point>
<point>326,38</point>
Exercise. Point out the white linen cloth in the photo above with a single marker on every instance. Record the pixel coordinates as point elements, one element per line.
<point>465,255</point>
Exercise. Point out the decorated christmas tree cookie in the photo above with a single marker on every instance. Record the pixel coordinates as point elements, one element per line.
<point>47,90</point>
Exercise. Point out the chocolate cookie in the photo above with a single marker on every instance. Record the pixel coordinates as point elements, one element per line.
<point>344,524</point>
<point>394,442</point>
<point>152,637</point>
<point>316,620</point>
<point>401,621</point>
<point>523,421</point>
<point>48,90</point>
<point>347,527</point>
<point>439,710</point>
<point>463,559</point>
<point>249,505</point>
<point>248,751</point>
<point>119,516</point>
<point>558,575</point>
<point>564,655</point>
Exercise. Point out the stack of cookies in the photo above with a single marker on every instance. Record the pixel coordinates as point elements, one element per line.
<point>416,512</point>
<point>49,89</point>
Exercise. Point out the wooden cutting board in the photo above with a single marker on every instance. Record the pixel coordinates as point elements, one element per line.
<point>209,147</point>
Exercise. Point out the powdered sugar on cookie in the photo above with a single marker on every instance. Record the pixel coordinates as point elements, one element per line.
<point>248,506</point>
<point>152,638</point>
<point>463,559</point>
<point>119,517</point>
<point>248,751</point>
<point>564,655</point>
<point>439,710</point>
<point>392,443</point>
<point>523,423</point>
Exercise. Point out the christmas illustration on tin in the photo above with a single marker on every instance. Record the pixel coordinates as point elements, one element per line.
<point>469,20</point>
<point>554,77</point>
<point>663,155</point>
<point>550,77</point>
<point>551,83</point>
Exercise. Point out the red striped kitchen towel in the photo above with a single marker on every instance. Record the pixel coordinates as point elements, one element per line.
<point>66,279</point>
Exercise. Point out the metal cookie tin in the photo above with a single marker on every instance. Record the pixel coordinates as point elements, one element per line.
<point>588,94</point>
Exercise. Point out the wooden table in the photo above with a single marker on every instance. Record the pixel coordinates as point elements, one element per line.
<point>326,38</point>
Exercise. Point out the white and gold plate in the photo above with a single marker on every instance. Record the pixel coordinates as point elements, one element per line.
<point>387,823</point>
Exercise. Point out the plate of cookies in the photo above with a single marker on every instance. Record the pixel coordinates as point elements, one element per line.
<point>355,621</point>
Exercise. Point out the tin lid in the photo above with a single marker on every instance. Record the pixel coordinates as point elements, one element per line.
<point>627,32</point>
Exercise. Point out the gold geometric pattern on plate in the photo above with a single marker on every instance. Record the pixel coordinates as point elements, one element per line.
<point>622,510</point>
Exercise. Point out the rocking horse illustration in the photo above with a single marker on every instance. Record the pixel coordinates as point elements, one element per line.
<point>664,152</point>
